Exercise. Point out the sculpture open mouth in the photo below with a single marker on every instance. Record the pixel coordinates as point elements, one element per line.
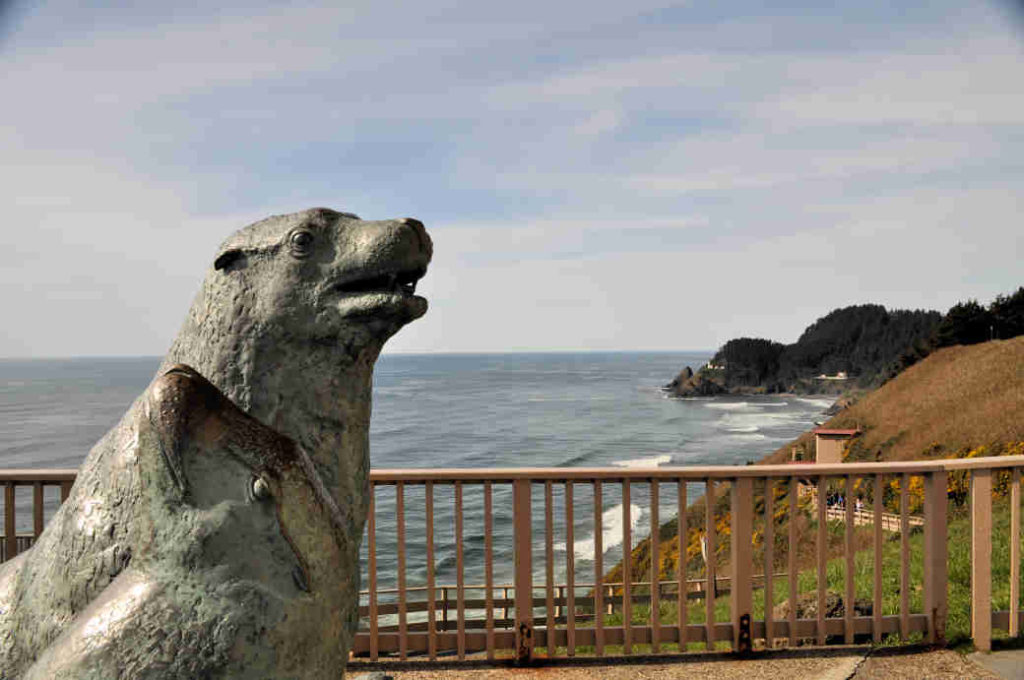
<point>401,283</point>
<point>389,295</point>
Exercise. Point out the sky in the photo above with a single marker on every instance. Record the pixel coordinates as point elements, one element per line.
<point>595,176</point>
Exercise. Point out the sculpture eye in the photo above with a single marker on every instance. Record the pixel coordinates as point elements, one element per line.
<point>300,242</point>
<point>260,489</point>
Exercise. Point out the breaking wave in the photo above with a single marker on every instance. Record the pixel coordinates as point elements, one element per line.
<point>611,536</point>
<point>653,461</point>
<point>728,405</point>
<point>821,403</point>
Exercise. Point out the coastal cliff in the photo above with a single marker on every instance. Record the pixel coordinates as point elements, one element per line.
<point>961,401</point>
<point>850,349</point>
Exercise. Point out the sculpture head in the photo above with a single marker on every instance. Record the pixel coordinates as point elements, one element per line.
<point>325,275</point>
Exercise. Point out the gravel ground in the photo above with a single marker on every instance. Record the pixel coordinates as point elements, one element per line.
<point>831,666</point>
<point>836,664</point>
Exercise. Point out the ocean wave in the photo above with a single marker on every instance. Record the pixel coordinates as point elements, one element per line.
<point>571,398</point>
<point>742,428</point>
<point>652,461</point>
<point>611,535</point>
<point>756,419</point>
<point>728,405</point>
<point>576,460</point>
<point>400,390</point>
<point>771,417</point>
<point>753,437</point>
<point>822,403</point>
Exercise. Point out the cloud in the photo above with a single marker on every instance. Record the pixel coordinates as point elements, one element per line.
<point>599,123</point>
<point>918,249</point>
<point>628,176</point>
<point>965,83</point>
<point>727,162</point>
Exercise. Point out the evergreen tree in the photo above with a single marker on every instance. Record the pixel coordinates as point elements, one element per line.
<point>966,323</point>
<point>868,342</point>
<point>1008,314</point>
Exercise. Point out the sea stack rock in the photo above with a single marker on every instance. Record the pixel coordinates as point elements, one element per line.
<point>195,543</point>
<point>682,378</point>
<point>288,323</point>
<point>689,384</point>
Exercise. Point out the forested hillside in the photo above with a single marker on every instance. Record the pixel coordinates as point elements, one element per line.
<point>958,399</point>
<point>860,346</point>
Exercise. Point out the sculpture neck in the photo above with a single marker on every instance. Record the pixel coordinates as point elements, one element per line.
<point>318,391</point>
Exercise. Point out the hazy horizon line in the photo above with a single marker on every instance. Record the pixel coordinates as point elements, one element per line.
<point>428,353</point>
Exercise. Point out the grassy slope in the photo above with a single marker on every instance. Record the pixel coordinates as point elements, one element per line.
<point>958,544</point>
<point>957,398</point>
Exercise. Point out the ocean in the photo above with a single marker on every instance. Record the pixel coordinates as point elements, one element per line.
<point>472,410</point>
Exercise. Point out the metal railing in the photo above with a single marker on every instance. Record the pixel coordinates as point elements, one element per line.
<point>532,610</point>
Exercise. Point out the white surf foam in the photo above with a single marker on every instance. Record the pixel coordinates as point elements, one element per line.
<point>822,403</point>
<point>748,436</point>
<point>728,405</point>
<point>745,422</point>
<point>653,461</point>
<point>611,536</point>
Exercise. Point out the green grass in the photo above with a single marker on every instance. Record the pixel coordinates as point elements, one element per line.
<point>958,627</point>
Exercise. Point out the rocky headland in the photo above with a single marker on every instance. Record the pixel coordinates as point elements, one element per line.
<point>850,350</point>
<point>710,383</point>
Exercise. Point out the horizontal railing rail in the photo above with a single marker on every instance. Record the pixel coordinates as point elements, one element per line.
<point>508,562</point>
<point>695,472</point>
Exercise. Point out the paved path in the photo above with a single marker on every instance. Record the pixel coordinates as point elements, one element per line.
<point>917,664</point>
<point>1008,664</point>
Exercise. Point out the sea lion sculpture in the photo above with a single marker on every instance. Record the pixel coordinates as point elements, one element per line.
<point>288,324</point>
<point>195,543</point>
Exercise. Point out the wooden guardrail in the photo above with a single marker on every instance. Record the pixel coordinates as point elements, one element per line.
<point>37,481</point>
<point>565,618</point>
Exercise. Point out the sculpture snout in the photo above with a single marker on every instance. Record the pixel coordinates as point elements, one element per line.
<point>412,232</point>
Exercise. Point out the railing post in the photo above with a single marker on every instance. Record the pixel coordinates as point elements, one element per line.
<point>935,556</point>
<point>371,532</point>
<point>742,555</point>
<point>524,571</point>
<point>711,583</point>
<point>1015,554</point>
<point>10,536</point>
<point>444,608</point>
<point>981,559</point>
